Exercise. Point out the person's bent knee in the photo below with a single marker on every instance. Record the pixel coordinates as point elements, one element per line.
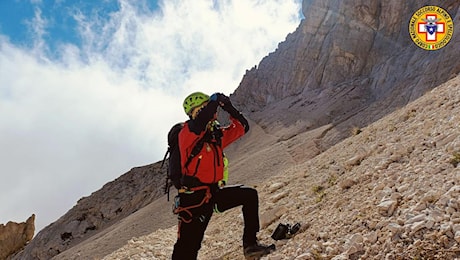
<point>251,194</point>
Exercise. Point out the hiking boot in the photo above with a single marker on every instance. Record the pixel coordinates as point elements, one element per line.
<point>256,251</point>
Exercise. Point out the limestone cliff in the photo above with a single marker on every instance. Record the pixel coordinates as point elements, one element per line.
<point>348,63</point>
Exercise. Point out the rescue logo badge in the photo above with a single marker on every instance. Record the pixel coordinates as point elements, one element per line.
<point>431,27</point>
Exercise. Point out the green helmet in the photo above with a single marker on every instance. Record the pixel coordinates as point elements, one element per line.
<point>193,100</point>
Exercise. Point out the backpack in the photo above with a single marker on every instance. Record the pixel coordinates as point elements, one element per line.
<point>174,172</point>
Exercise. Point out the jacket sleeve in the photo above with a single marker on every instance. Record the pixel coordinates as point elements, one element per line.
<point>233,112</point>
<point>198,125</point>
<point>232,132</point>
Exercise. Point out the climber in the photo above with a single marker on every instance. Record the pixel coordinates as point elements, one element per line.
<point>203,168</point>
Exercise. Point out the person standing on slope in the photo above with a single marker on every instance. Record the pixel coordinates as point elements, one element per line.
<point>201,144</point>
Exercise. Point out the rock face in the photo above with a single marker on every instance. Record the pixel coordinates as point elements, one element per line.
<point>348,63</point>
<point>14,236</point>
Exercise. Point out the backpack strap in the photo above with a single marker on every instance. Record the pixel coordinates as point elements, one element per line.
<point>195,151</point>
<point>164,158</point>
<point>208,137</point>
<point>167,185</point>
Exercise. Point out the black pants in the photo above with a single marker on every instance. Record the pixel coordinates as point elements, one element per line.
<point>191,234</point>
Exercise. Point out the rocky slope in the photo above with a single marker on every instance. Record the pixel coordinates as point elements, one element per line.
<point>113,202</point>
<point>390,191</point>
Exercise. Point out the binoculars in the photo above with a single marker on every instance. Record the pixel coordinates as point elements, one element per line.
<point>283,231</point>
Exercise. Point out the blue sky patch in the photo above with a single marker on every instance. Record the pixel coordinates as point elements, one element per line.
<point>17,18</point>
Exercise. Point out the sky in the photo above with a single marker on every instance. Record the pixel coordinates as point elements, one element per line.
<point>89,89</point>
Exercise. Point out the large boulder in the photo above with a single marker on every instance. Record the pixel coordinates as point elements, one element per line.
<point>14,236</point>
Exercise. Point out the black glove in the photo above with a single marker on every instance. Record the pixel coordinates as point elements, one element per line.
<point>220,98</point>
<point>243,121</point>
<point>225,103</point>
<point>227,106</point>
<point>224,100</point>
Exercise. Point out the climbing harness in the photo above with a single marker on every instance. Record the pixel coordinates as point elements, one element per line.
<point>178,208</point>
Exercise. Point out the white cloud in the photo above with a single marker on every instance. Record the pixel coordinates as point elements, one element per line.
<point>71,124</point>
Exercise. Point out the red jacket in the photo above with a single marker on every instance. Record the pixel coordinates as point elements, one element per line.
<point>207,165</point>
